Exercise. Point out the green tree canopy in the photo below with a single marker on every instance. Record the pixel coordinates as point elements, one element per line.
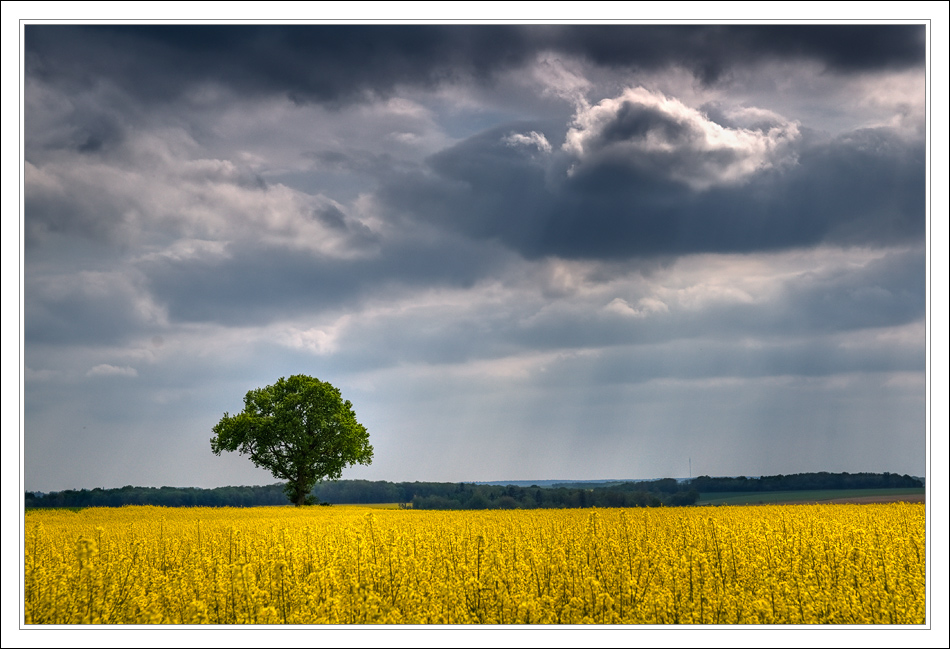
<point>300,429</point>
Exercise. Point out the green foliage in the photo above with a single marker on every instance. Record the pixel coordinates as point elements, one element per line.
<point>806,481</point>
<point>242,496</point>
<point>300,429</point>
<point>460,495</point>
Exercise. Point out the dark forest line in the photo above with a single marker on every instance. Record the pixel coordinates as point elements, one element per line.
<point>463,495</point>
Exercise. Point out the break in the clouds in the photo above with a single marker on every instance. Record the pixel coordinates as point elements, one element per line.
<point>544,251</point>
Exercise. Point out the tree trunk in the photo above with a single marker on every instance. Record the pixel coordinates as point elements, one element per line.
<point>300,495</point>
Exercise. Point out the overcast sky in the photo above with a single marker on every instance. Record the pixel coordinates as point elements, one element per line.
<point>522,252</point>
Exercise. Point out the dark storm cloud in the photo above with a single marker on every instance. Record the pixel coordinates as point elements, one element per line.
<point>633,122</point>
<point>103,199</point>
<point>713,359</point>
<point>307,62</point>
<point>84,308</point>
<point>329,63</point>
<point>812,314</point>
<point>482,187</point>
<point>889,291</point>
<point>85,213</point>
<point>248,286</point>
<point>97,134</point>
<point>862,188</point>
<point>256,284</point>
<point>358,161</point>
<point>709,50</point>
<point>865,187</point>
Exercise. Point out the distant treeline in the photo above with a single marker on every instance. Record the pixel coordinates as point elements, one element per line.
<point>418,495</point>
<point>462,495</point>
<point>806,481</point>
<point>161,496</point>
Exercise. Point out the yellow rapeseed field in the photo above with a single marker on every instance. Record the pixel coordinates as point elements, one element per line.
<point>781,564</point>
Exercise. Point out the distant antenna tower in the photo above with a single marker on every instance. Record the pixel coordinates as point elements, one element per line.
<point>691,469</point>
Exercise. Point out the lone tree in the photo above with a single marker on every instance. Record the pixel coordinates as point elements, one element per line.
<point>300,429</point>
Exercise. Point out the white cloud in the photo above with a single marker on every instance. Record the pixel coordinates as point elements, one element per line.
<point>896,100</point>
<point>165,188</point>
<point>531,139</point>
<point>187,249</point>
<point>317,340</point>
<point>652,131</point>
<point>562,78</point>
<point>645,306</point>
<point>111,370</point>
